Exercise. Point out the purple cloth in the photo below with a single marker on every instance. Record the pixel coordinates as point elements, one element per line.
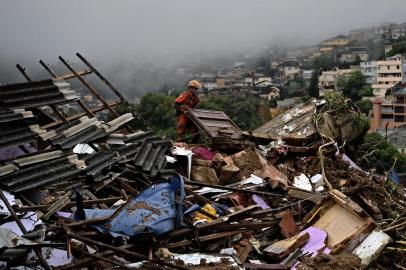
<point>203,153</point>
<point>315,243</point>
<point>261,202</point>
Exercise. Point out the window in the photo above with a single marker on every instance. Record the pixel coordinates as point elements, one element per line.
<point>399,109</point>
<point>399,118</point>
<point>397,67</point>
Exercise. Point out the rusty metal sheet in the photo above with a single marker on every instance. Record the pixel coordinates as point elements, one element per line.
<point>212,122</point>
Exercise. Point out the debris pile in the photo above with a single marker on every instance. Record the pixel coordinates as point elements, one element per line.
<point>284,196</point>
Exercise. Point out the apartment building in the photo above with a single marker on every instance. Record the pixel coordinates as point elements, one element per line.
<point>290,69</point>
<point>389,73</point>
<point>328,79</point>
<point>369,70</point>
<point>389,114</point>
<point>352,54</point>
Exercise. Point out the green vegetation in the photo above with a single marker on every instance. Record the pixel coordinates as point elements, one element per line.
<point>248,112</point>
<point>323,62</point>
<point>339,104</point>
<point>370,150</point>
<point>399,47</point>
<point>354,86</point>
<point>313,90</point>
<point>375,152</point>
<point>157,111</point>
<point>365,105</point>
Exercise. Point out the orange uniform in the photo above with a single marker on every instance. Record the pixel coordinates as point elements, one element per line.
<point>188,99</point>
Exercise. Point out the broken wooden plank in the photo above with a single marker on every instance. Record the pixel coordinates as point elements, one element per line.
<point>281,249</point>
<point>58,205</point>
<point>205,238</point>
<point>301,194</point>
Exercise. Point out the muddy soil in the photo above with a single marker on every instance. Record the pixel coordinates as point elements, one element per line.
<point>248,162</point>
<point>344,261</point>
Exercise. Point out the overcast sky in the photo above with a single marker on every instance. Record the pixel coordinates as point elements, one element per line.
<point>168,28</point>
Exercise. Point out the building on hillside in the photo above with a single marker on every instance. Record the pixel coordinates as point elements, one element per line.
<point>337,41</point>
<point>326,49</point>
<point>369,70</point>
<point>288,103</point>
<point>404,72</point>
<point>389,113</point>
<point>301,52</point>
<point>352,54</point>
<point>209,84</point>
<point>234,82</point>
<point>290,69</point>
<point>391,31</point>
<point>307,74</point>
<point>362,34</point>
<point>208,80</point>
<point>328,80</point>
<point>395,136</point>
<point>181,71</point>
<point>389,73</point>
<point>387,46</point>
<point>259,80</point>
<point>269,92</point>
<point>293,88</point>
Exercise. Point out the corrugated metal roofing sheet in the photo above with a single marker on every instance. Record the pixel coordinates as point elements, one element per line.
<point>134,138</point>
<point>16,115</point>
<point>34,94</point>
<point>42,173</point>
<point>85,130</point>
<point>16,128</point>
<point>96,162</point>
<point>150,157</point>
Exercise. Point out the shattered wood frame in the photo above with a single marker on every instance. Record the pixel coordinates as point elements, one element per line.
<point>110,106</point>
<point>340,214</point>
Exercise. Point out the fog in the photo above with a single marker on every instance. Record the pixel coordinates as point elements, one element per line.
<point>122,37</point>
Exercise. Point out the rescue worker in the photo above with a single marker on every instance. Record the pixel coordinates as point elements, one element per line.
<point>188,99</point>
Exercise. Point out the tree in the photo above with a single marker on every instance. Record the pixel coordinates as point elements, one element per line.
<point>324,62</point>
<point>357,60</point>
<point>365,105</point>
<point>374,152</point>
<point>159,112</point>
<point>313,90</point>
<point>352,85</point>
<point>399,47</point>
<point>157,109</point>
<point>246,111</point>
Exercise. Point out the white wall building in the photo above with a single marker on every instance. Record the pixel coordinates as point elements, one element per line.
<point>328,79</point>
<point>259,81</point>
<point>389,73</point>
<point>369,70</point>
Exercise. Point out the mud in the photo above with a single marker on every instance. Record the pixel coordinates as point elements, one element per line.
<point>344,261</point>
<point>359,186</point>
<point>248,162</point>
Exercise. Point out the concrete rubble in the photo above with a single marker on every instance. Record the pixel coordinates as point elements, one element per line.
<point>281,197</point>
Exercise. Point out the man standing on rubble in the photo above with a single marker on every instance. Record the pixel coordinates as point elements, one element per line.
<point>188,99</point>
